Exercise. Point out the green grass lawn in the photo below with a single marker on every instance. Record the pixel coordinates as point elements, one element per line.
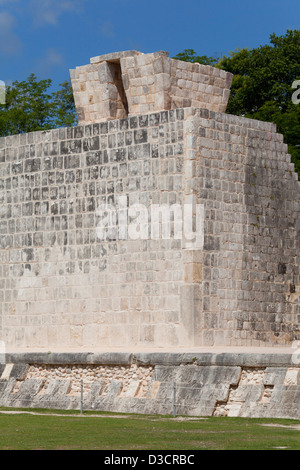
<point>118,432</point>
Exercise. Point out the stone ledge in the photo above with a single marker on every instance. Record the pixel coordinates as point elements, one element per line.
<point>251,384</point>
<point>211,359</point>
<point>113,56</point>
<point>155,358</point>
<point>111,358</point>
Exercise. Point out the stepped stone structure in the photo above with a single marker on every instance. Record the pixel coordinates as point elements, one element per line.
<point>159,221</point>
<point>118,85</point>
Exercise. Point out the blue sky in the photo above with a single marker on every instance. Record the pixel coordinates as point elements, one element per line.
<point>49,37</point>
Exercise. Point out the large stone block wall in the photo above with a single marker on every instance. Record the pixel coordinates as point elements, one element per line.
<point>206,384</point>
<point>241,171</point>
<point>62,286</point>
<point>128,83</point>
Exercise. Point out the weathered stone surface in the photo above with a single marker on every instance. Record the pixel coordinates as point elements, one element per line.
<point>130,83</point>
<point>153,141</point>
<point>19,371</point>
<point>234,290</point>
<point>197,390</point>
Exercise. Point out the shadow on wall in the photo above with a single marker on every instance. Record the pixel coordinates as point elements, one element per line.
<point>270,306</point>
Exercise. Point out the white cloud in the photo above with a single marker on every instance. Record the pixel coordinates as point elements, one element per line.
<point>7,2</point>
<point>54,58</point>
<point>51,59</point>
<point>10,44</point>
<point>49,11</point>
<point>107,29</point>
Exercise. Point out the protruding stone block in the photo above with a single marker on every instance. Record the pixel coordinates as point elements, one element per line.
<point>145,83</point>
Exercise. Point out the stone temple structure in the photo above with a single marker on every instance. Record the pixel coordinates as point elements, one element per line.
<point>118,85</point>
<point>159,223</point>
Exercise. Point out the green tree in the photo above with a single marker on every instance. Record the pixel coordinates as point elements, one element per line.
<point>64,106</point>
<point>31,107</point>
<point>189,55</point>
<point>27,107</point>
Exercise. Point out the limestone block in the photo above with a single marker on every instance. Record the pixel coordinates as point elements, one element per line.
<point>132,389</point>
<point>18,371</point>
<point>275,376</point>
<point>96,390</point>
<point>105,73</point>
<point>162,82</point>
<point>57,389</point>
<point>28,390</point>
<point>113,389</point>
<point>109,92</point>
<point>162,101</point>
<point>114,56</point>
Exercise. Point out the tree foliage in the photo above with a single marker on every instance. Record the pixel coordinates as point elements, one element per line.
<point>189,55</point>
<point>64,106</point>
<point>31,107</point>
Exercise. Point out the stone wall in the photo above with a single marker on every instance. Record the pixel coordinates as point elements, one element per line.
<point>63,285</point>
<point>241,171</point>
<point>129,83</point>
<point>244,385</point>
